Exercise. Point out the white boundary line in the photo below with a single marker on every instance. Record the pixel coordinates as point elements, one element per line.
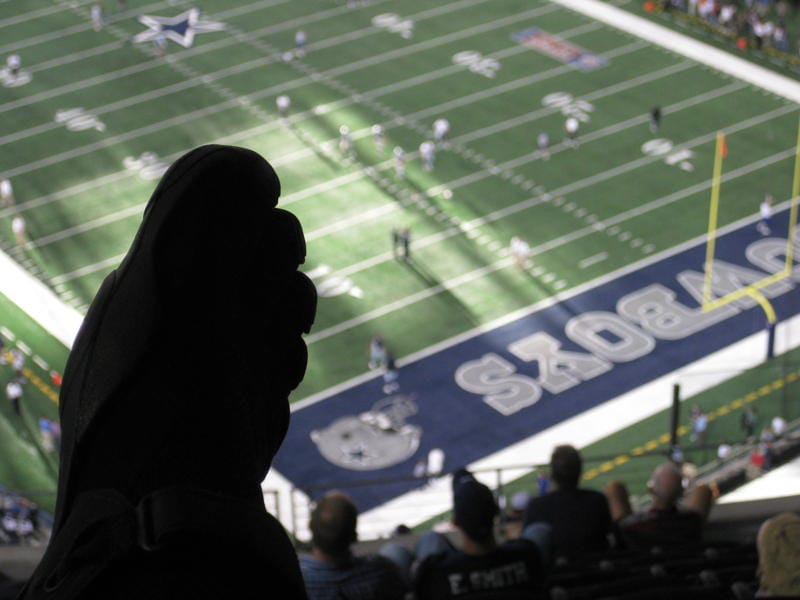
<point>38,301</point>
<point>686,46</point>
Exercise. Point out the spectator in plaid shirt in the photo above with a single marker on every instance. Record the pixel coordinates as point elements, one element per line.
<point>331,570</point>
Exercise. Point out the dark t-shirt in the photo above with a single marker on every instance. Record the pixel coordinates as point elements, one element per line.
<point>661,528</point>
<point>515,565</point>
<point>580,520</point>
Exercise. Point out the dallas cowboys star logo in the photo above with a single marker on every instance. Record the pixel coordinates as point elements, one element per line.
<point>180,29</point>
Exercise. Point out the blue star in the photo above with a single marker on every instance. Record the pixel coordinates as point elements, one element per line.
<point>180,29</point>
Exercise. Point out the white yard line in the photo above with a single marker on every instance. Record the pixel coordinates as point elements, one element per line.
<point>593,260</point>
<point>204,79</point>
<point>280,160</point>
<point>38,301</point>
<point>88,269</point>
<point>225,105</point>
<point>606,419</point>
<point>454,283</point>
<point>30,15</point>
<point>368,216</point>
<point>131,211</point>
<point>252,64</point>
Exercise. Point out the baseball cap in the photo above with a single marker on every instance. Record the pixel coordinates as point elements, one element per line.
<point>474,506</point>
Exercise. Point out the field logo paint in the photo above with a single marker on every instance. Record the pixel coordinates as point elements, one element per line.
<point>642,319</point>
<point>394,24</point>
<point>375,439</point>
<point>180,29</point>
<point>477,63</point>
<point>559,49</point>
<point>148,165</point>
<point>78,119</point>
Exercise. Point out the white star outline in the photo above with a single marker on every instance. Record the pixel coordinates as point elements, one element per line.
<point>193,25</point>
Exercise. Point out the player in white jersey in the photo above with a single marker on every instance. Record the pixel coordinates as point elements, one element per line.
<point>18,228</point>
<point>543,142</point>
<point>97,17</point>
<point>399,162</point>
<point>441,128</point>
<point>520,250</point>
<point>345,141</point>
<point>571,129</point>
<point>283,103</point>
<point>765,211</point>
<point>13,64</point>
<point>300,43</point>
<point>6,192</point>
<point>426,151</point>
<point>379,137</point>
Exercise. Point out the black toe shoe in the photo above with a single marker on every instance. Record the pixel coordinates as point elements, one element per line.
<point>175,395</point>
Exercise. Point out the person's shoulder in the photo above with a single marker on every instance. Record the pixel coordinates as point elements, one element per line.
<point>518,545</point>
<point>373,562</point>
<point>593,496</point>
<point>309,563</point>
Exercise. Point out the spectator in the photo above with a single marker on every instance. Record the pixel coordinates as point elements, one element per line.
<point>542,483</point>
<point>14,393</point>
<point>6,192</point>
<point>699,422</point>
<point>377,352</point>
<point>768,435</point>
<point>579,518</point>
<point>749,421</point>
<point>480,565</point>
<point>760,460</point>
<point>667,521</point>
<point>724,450</point>
<point>778,426</point>
<point>421,468</point>
<point>331,571</point>
<point>514,515</point>
<point>46,434</point>
<point>391,374</point>
<point>18,227</point>
<point>778,544</point>
<point>18,362</point>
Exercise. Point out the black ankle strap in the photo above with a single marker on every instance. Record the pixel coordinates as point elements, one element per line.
<point>103,527</point>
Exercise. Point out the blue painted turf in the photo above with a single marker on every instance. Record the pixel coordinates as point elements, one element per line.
<point>467,429</point>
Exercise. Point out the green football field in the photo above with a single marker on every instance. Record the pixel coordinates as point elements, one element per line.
<point>95,118</point>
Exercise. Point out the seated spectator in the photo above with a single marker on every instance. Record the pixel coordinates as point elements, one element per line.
<point>513,516</point>
<point>667,521</point>
<point>779,426</point>
<point>331,570</point>
<point>579,518</point>
<point>724,450</point>
<point>778,544</point>
<point>480,567</point>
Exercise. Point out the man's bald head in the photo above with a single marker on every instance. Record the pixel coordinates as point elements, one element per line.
<point>666,485</point>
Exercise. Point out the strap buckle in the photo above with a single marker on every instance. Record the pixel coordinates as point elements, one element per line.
<point>145,531</point>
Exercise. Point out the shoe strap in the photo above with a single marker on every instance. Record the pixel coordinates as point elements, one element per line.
<point>103,526</point>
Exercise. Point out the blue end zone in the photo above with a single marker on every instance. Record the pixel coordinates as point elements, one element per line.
<point>462,424</point>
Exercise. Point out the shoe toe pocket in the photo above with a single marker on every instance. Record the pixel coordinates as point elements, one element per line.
<point>285,236</point>
<point>303,298</point>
